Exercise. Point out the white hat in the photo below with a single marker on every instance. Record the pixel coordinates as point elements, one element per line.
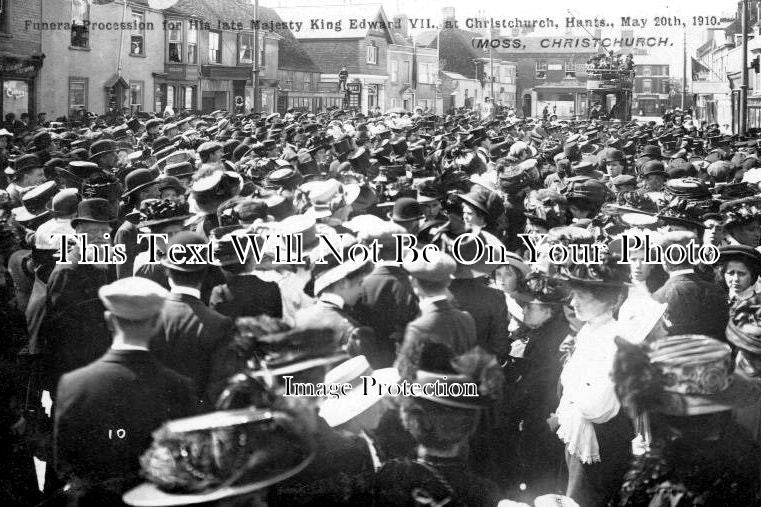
<point>337,411</point>
<point>133,298</point>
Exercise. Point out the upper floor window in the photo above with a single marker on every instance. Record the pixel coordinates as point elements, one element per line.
<point>80,12</point>
<point>215,47</point>
<point>192,43</point>
<point>541,69</point>
<point>372,53</point>
<point>137,37</point>
<point>174,39</point>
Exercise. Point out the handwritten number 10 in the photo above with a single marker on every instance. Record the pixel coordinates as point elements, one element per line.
<point>120,434</point>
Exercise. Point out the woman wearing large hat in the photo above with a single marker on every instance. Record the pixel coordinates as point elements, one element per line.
<point>681,392</point>
<point>596,434</point>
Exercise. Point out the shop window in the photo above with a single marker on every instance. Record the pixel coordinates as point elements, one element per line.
<point>192,44</point>
<point>80,13</point>
<point>174,39</point>
<point>77,96</point>
<point>15,97</point>
<point>215,47</point>
<point>137,37</point>
<point>136,95</point>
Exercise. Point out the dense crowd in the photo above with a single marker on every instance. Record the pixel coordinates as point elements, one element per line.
<point>141,377</point>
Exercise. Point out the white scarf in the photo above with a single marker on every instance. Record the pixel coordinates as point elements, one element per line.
<point>589,395</point>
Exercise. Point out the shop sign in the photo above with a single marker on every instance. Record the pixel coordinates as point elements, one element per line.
<point>14,93</point>
<point>354,88</point>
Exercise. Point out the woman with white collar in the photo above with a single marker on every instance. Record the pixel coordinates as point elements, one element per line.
<point>596,433</point>
<point>739,268</point>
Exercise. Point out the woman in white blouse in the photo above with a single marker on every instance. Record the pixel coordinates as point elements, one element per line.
<point>596,434</point>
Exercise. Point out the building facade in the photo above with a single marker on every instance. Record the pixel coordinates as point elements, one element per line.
<point>100,68</point>
<point>651,86</point>
<point>21,57</point>
<point>335,42</point>
<point>462,65</point>
<point>550,76</point>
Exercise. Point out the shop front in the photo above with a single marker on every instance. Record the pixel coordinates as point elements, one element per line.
<point>18,76</point>
<point>177,87</point>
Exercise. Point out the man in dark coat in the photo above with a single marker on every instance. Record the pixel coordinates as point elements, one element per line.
<point>107,410</point>
<point>387,303</point>
<point>191,334</point>
<point>695,306</point>
<point>488,308</point>
<point>244,294</point>
<point>439,320</point>
<point>73,325</point>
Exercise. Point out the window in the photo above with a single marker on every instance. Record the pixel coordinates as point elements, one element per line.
<point>647,70</point>
<point>77,95</point>
<point>170,96</point>
<point>80,12</point>
<point>137,37</point>
<point>406,72</point>
<point>136,95</point>
<point>647,85</point>
<point>5,16</point>
<point>424,73</point>
<point>192,43</point>
<point>215,47</point>
<point>570,70</point>
<point>395,71</point>
<point>541,70</point>
<point>189,100</point>
<point>262,45</point>
<point>246,48</point>
<point>174,38</point>
<point>372,53</point>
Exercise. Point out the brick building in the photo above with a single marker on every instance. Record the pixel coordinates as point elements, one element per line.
<point>550,75</point>
<point>332,42</point>
<point>412,71</point>
<point>651,85</point>
<point>21,57</point>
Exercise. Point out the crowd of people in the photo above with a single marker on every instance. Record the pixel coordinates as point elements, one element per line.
<point>141,377</point>
<point>610,61</point>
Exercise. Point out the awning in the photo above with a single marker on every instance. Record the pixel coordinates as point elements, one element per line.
<point>116,79</point>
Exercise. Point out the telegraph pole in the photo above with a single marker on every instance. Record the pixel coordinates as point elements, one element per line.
<point>491,72</point>
<point>684,67</point>
<point>255,77</point>
<point>743,117</point>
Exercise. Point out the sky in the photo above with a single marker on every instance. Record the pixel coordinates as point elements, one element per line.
<point>610,10</point>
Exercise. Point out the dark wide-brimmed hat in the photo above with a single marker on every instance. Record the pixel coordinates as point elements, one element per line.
<point>406,209</point>
<point>155,212</point>
<point>744,253</point>
<point>34,202</point>
<point>608,273</point>
<point>94,210</point>
<point>138,180</point>
<point>185,466</point>
<point>187,264</point>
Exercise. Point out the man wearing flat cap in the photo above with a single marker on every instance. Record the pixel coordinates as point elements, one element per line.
<point>439,320</point>
<point>107,410</point>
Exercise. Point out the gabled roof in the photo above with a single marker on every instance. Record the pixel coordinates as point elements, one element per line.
<point>291,55</point>
<point>372,13</point>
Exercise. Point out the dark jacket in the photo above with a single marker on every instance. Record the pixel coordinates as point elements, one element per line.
<point>73,326</point>
<point>695,306</point>
<point>106,411</point>
<point>439,322</point>
<point>157,273</point>
<point>190,336</point>
<point>126,235</point>
<point>488,308</point>
<point>247,296</point>
<point>387,305</point>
